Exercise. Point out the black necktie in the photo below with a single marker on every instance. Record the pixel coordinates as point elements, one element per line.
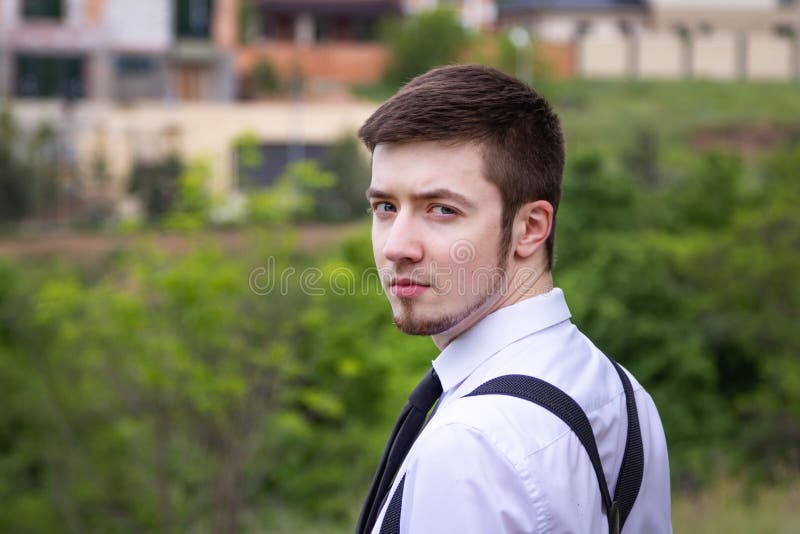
<point>405,431</point>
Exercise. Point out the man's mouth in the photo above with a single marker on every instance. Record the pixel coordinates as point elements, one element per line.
<point>405,287</point>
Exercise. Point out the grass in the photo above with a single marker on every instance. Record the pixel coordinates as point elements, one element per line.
<point>725,508</point>
<point>603,115</point>
<point>607,116</point>
<point>731,509</point>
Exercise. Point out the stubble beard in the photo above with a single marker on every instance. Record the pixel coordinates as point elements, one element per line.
<point>410,323</point>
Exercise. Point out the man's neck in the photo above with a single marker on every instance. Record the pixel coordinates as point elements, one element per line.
<point>520,286</point>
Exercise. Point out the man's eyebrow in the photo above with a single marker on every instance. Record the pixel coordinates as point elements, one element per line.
<point>376,193</point>
<point>426,195</point>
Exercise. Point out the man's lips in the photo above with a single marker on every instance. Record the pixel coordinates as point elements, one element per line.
<point>405,287</point>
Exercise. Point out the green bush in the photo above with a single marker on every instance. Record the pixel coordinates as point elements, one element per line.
<point>192,207</point>
<point>345,199</point>
<point>210,391</point>
<point>156,183</point>
<point>420,42</point>
<point>292,197</point>
<point>29,165</point>
<point>264,78</point>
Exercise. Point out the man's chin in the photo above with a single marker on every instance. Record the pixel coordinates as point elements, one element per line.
<point>422,326</point>
<point>415,324</point>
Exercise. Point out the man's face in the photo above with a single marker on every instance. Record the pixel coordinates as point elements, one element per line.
<point>436,232</point>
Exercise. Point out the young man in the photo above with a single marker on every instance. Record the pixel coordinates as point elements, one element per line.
<point>466,180</point>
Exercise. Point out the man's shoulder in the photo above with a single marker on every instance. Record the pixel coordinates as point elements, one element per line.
<point>571,363</point>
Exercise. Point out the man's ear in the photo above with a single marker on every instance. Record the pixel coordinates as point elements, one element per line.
<point>532,226</point>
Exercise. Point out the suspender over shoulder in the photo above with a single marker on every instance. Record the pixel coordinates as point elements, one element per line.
<point>562,405</point>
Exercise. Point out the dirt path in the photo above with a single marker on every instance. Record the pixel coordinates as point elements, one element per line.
<point>79,246</point>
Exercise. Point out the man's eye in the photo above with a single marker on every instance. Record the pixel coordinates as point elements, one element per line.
<point>383,207</point>
<point>443,210</point>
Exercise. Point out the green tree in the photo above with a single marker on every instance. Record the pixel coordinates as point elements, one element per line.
<point>420,42</point>
<point>344,200</point>
<point>247,21</point>
<point>746,275</point>
<point>264,78</point>
<point>28,169</point>
<point>293,195</point>
<point>156,184</point>
<point>192,206</point>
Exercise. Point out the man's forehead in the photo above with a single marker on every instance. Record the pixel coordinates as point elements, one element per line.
<point>430,170</point>
<point>427,161</point>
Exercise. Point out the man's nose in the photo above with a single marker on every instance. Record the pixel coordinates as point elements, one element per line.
<point>403,242</point>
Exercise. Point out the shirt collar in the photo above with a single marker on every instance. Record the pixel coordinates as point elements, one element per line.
<point>496,331</point>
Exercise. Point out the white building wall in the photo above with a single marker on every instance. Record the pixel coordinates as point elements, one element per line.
<point>715,4</point>
<point>768,56</point>
<point>557,29</point>
<point>603,56</point>
<point>71,35</point>
<point>200,129</point>
<point>139,26</point>
<point>74,14</point>
<point>660,55</point>
<point>715,55</point>
<point>9,13</point>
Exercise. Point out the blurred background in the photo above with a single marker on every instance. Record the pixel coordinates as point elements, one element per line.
<point>190,340</point>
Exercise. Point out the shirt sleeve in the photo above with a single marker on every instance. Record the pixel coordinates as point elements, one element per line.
<point>460,482</point>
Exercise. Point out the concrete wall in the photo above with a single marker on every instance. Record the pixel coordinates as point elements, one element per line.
<point>716,4</point>
<point>769,56</point>
<point>715,56</point>
<point>660,55</point>
<point>726,39</point>
<point>603,56</point>
<point>718,55</point>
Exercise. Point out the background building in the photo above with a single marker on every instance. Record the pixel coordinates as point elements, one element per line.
<point>119,50</point>
<point>741,39</point>
<point>320,41</point>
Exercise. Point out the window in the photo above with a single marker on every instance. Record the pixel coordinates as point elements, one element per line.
<point>193,18</point>
<point>42,9</point>
<point>682,31</point>
<point>705,28</point>
<point>364,29</point>
<point>582,28</point>
<point>134,65</point>
<point>273,162</point>
<point>322,29</point>
<point>333,29</point>
<point>45,76</point>
<point>278,27</point>
<point>785,30</point>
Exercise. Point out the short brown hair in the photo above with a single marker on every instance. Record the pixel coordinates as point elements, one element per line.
<point>523,147</point>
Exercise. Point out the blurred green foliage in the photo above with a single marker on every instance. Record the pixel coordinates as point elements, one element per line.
<point>176,393</point>
<point>690,285</point>
<point>156,184</point>
<point>416,44</point>
<point>265,79</point>
<point>211,391</point>
<point>29,165</point>
<point>193,199</point>
<point>293,195</point>
<point>345,199</point>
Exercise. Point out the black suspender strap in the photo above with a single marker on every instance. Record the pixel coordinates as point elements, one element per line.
<point>391,520</point>
<point>563,406</point>
<point>629,480</point>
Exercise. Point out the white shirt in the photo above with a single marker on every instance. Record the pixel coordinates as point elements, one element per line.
<point>499,464</point>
